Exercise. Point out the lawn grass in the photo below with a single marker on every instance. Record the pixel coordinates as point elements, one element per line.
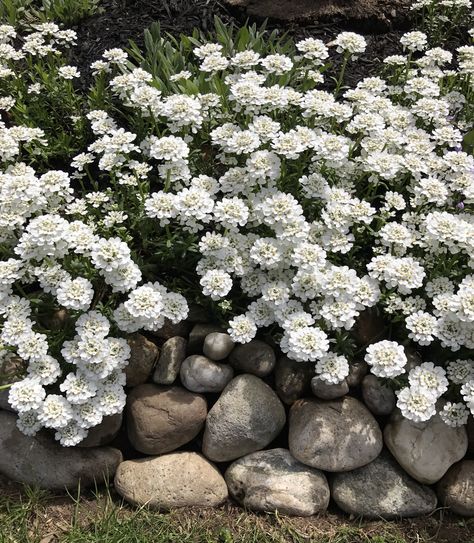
<point>33,516</point>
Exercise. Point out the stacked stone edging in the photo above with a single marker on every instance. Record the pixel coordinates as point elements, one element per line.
<point>207,420</point>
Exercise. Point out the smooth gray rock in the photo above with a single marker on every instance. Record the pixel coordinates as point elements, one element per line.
<point>456,488</point>
<point>425,450</point>
<point>160,419</point>
<point>256,357</point>
<point>198,334</point>
<point>103,433</point>
<point>142,359</point>
<point>182,479</point>
<point>381,489</point>
<point>41,461</point>
<point>173,352</point>
<point>357,371</point>
<point>327,391</point>
<point>292,379</point>
<point>273,480</point>
<point>199,374</point>
<point>218,346</point>
<point>380,399</point>
<point>336,435</point>
<point>246,418</point>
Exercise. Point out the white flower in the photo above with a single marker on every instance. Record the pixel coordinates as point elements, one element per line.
<point>56,412</point>
<point>454,414</point>
<point>414,41</point>
<point>28,423</point>
<point>242,329</point>
<point>351,42</point>
<point>309,343</point>
<point>75,293</point>
<point>216,284</point>
<point>78,388</point>
<point>422,327</point>
<point>386,358</point>
<point>46,370</point>
<point>111,399</point>
<point>460,371</point>
<point>71,435</point>
<point>26,395</point>
<point>429,378</point>
<point>415,404</point>
<point>68,72</point>
<point>332,368</point>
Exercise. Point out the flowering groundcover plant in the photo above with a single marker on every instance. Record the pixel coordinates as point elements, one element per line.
<point>286,208</point>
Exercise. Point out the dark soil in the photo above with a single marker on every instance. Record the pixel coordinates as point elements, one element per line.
<point>125,20</point>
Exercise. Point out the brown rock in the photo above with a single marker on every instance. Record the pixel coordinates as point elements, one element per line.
<point>160,419</point>
<point>170,330</point>
<point>256,357</point>
<point>173,352</point>
<point>368,328</point>
<point>293,379</point>
<point>198,334</point>
<point>456,488</point>
<point>142,359</point>
<point>183,479</point>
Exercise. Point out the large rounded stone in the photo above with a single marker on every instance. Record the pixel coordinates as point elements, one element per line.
<point>160,419</point>
<point>328,391</point>
<point>198,334</point>
<point>173,352</point>
<point>182,479</point>
<point>199,374</point>
<point>381,489</point>
<point>103,433</point>
<point>246,418</point>
<point>426,450</point>
<point>218,346</point>
<point>456,488</point>
<point>292,379</point>
<point>41,461</point>
<point>337,435</point>
<point>142,359</point>
<point>380,399</point>
<point>256,357</point>
<point>274,481</point>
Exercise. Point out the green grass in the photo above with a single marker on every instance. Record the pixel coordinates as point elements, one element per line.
<point>32,516</point>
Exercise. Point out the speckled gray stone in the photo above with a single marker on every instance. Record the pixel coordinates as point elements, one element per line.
<point>199,374</point>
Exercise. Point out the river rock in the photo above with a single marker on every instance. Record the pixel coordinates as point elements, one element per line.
<point>426,450</point>
<point>173,352</point>
<point>170,329</point>
<point>246,418</point>
<point>273,480</point>
<point>380,399</point>
<point>381,489</point>
<point>182,479</point>
<point>357,371</point>
<point>456,488</point>
<point>198,334</point>
<point>199,374</point>
<point>41,461</point>
<point>336,435</point>
<point>292,379</point>
<point>142,359</point>
<point>103,433</point>
<point>218,346</point>
<point>160,419</point>
<point>328,391</point>
<point>256,357</point>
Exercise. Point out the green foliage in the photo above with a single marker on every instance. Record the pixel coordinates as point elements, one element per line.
<point>27,12</point>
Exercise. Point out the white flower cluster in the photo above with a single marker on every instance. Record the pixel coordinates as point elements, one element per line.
<point>297,210</point>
